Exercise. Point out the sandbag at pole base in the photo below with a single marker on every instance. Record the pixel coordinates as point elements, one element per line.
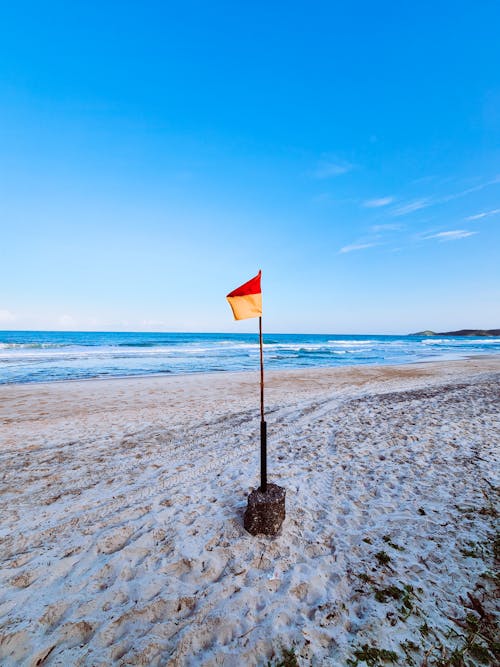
<point>265,511</point>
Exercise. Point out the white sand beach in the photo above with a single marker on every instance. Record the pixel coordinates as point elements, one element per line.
<point>121,505</point>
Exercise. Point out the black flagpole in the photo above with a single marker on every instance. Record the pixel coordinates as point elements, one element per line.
<point>265,510</point>
<point>263,425</point>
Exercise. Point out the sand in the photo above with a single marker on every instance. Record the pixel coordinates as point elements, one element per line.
<point>121,505</point>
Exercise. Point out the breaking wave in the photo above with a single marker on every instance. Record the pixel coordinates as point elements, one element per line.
<point>47,356</point>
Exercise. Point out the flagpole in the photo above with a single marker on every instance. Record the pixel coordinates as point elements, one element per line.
<point>263,425</point>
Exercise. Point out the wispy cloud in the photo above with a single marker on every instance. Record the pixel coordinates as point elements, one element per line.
<point>485,214</point>
<point>412,206</point>
<point>357,246</point>
<point>328,168</point>
<point>467,191</point>
<point>425,202</point>
<point>377,203</point>
<point>452,235</point>
<point>386,228</point>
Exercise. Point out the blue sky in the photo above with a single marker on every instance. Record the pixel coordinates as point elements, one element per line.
<point>155,155</point>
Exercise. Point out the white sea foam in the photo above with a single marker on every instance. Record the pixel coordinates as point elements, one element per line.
<point>352,343</point>
<point>30,346</point>
<point>462,341</point>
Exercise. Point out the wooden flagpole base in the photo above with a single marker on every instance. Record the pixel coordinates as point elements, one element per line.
<point>265,511</point>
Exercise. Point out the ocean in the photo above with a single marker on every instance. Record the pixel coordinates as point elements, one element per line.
<point>44,356</point>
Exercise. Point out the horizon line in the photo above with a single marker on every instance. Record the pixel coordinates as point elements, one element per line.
<point>237,333</point>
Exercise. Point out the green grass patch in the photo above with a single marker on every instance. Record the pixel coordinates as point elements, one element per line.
<point>287,659</point>
<point>372,656</point>
<point>387,540</point>
<point>383,558</point>
<point>388,593</point>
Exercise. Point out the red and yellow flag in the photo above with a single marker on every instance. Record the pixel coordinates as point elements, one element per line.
<point>246,301</point>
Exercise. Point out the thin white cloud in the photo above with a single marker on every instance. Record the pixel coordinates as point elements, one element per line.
<point>452,235</point>
<point>357,246</point>
<point>386,228</point>
<point>412,206</point>
<point>425,202</point>
<point>330,168</point>
<point>485,214</point>
<point>468,191</point>
<point>6,316</point>
<point>377,203</point>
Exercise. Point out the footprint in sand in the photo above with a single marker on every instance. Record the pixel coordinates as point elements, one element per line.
<point>13,646</point>
<point>299,591</point>
<point>115,541</point>
<point>74,634</point>
<point>178,568</point>
<point>53,614</point>
<point>24,579</point>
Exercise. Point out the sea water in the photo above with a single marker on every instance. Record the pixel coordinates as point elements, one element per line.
<point>41,356</point>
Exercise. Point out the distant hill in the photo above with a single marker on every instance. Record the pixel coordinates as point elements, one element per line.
<point>462,332</point>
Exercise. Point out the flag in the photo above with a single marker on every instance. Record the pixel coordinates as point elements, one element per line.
<point>246,301</point>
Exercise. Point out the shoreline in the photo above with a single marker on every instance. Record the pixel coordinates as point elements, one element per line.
<point>234,390</point>
<point>268,372</point>
<point>122,503</point>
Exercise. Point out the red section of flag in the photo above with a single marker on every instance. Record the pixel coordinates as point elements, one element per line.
<point>251,287</point>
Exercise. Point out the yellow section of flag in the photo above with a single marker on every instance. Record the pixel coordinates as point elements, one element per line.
<point>247,306</point>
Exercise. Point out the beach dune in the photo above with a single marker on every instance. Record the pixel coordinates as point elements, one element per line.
<point>122,537</point>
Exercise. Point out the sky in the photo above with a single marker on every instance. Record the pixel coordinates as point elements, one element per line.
<point>155,155</point>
